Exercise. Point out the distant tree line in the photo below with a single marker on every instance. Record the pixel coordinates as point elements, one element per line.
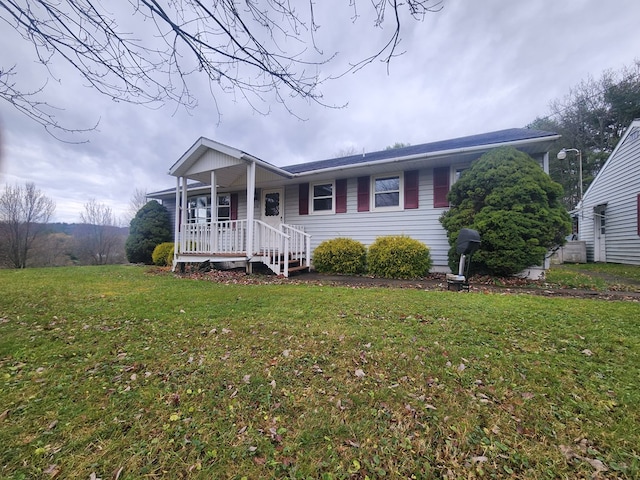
<point>28,239</point>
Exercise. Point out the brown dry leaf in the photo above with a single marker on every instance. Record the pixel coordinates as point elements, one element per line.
<point>52,470</point>
<point>359,373</point>
<point>4,415</point>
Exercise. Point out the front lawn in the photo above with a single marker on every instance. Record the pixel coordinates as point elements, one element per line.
<point>124,373</point>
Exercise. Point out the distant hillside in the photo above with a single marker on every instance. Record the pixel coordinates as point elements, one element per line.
<point>73,228</point>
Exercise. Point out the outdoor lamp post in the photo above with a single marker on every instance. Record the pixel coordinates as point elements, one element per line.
<point>562,154</point>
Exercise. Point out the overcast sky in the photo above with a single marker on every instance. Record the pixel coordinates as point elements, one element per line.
<point>474,67</point>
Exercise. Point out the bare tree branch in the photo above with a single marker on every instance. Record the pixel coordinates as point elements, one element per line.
<point>253,48</point>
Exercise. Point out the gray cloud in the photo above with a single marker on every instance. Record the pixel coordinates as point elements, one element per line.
<point>471,68</point>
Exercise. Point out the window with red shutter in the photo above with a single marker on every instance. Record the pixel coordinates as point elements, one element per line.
<point>363,194</point>
<point>411,180</point>
<point>440,187</point>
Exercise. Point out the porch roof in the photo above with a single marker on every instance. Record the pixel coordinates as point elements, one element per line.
<point>204,145</point>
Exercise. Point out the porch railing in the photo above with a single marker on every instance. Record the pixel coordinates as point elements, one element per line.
<point>225,237</point>
<point>275,248</point>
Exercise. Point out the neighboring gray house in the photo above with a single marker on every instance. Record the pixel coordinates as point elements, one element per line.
<point>229,206</point>
<point>609,214</point>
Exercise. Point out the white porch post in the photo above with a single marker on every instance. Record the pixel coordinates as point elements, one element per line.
<point>213,247</point>
<point>185,214</point>
<point>176,227</point>
<point>251,189</point>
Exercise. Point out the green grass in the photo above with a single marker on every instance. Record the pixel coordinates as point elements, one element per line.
<point>596,276</point>
<point>124,373</point>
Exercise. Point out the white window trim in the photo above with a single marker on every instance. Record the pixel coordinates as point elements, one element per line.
<point>394,208</point>
<point>312,211</point>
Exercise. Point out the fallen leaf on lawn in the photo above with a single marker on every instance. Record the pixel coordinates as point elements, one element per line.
<point>480,459</point>
<point>52,425</point>
<point>587,352</point>
<point>93,476</point>
<point>527,395</point>
<point>246,378</point>
<point>461,367</point>
<point>286,353</point>
<point>52,470</point>
<point>118,473</point>
<point>596,464</point>
<point>225,331</point>
<point>4,415</point>
<point>359,373</point>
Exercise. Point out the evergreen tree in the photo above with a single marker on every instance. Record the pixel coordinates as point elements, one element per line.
<point>150,227</point>
<point>515,207</point>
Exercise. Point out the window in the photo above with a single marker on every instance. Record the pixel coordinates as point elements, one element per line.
<point>322,198</point>
<point>224,207</point>
<point>387,192</point>
<point>199,209</point>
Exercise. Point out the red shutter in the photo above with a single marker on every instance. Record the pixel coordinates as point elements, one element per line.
<point>638,216</point>
<point>303,199</point>
<point>341,195</point>
<point>233,208</point>
<point>363,194</point>
<point>411,178</point>
<point>440,187</point>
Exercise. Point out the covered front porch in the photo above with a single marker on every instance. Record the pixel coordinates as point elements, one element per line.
<point>214,228</point>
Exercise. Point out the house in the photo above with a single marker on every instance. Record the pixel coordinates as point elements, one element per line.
<point>230,206</point>
<point>609,213</point>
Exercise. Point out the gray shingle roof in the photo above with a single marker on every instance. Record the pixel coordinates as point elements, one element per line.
<point>491,138</point>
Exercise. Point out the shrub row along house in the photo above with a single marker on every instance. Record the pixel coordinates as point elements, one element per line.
<point>230,206</point>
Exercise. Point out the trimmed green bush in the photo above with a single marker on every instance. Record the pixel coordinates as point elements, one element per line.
<point>163,254</point>
<point>515,206</point>
<point>340,255</point>
<point>398,256</point>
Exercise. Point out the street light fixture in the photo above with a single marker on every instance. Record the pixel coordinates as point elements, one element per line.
<point>562,154</point>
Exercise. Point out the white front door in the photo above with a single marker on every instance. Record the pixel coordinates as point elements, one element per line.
<point>599,244</point>
<point>272,207</point>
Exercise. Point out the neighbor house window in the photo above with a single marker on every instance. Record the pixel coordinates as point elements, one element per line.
<point>387,191</point>
<point>322,198</point>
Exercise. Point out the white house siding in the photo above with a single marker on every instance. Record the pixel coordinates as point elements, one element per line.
<point>617,186</point>
<point>421,224</point>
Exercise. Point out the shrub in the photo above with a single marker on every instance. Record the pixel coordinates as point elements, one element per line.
<point>340,255</point>
<point>515,206</point>
<point>163,254</point>
<point>398,257</point>
<point>150,227</point>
